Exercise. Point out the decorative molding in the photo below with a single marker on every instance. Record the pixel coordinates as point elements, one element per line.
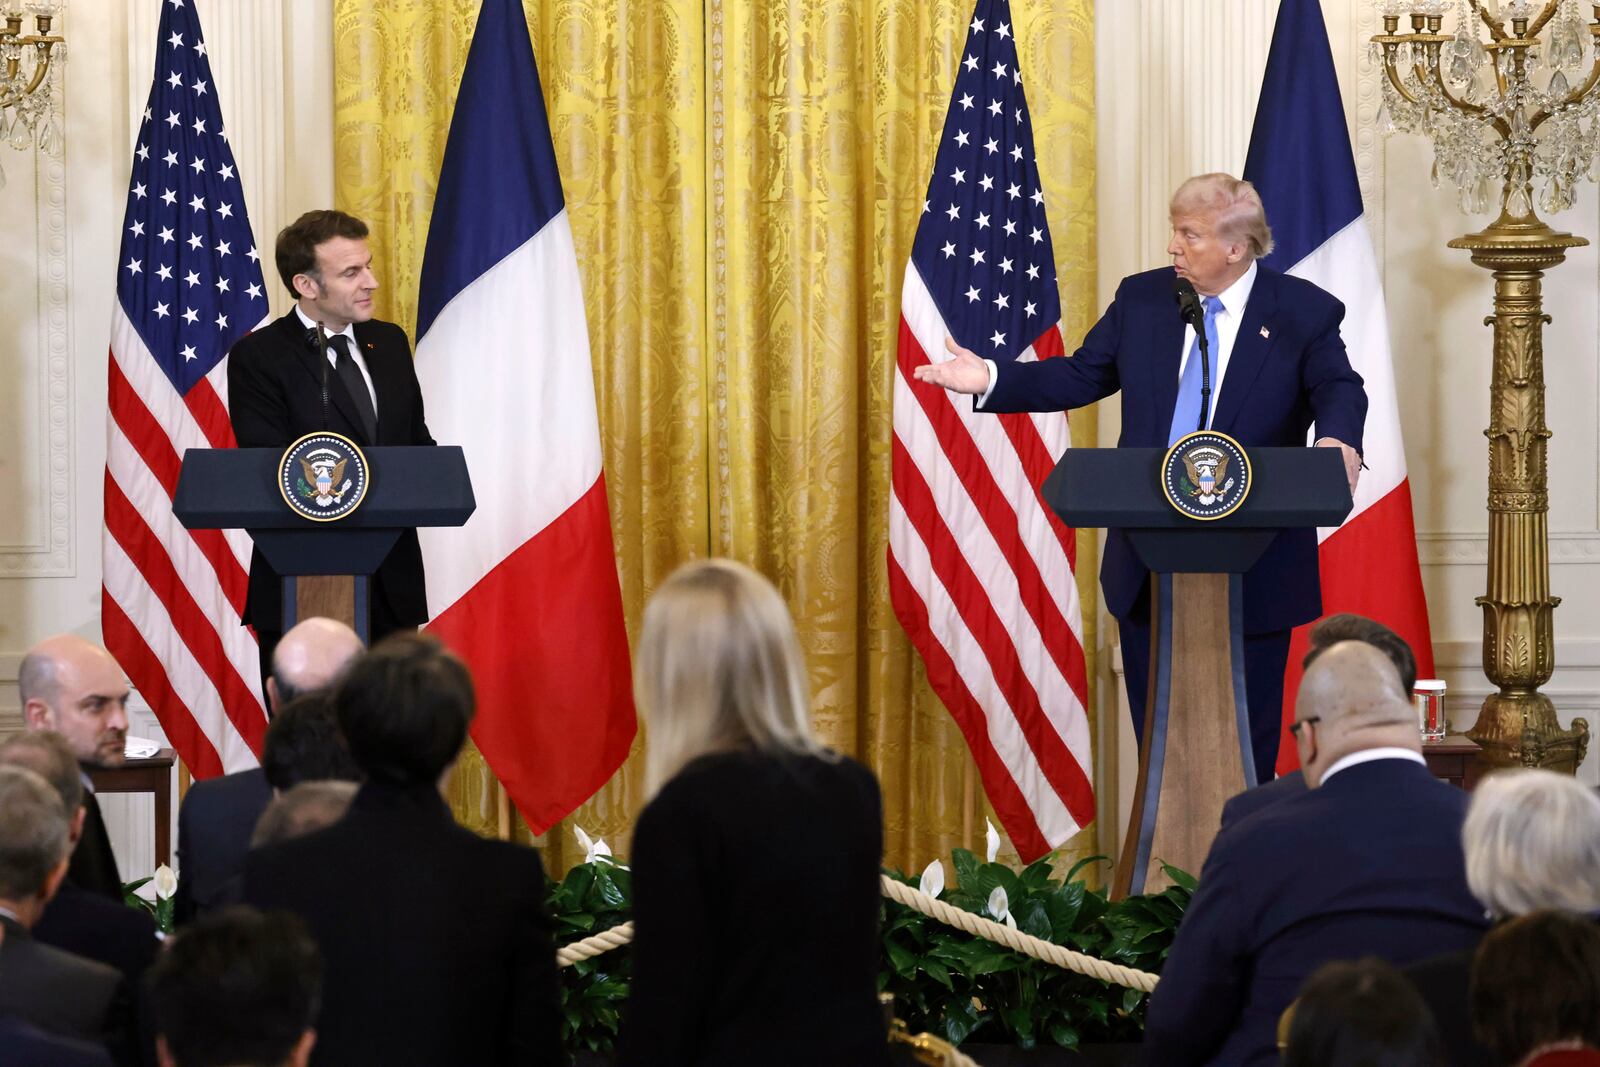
<point>1366,141</point>
<point>1450,549</point>
<point>53,557</point>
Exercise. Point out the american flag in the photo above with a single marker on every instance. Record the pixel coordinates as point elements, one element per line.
<point>188,286</point>
<point>980,570</point>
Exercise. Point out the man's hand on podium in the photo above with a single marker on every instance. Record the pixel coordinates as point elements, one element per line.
<point>964,372</point>
<point>1352,459</point>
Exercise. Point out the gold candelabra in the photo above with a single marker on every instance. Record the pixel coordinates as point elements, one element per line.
<point>1508,98</point>
<point>29,82</point>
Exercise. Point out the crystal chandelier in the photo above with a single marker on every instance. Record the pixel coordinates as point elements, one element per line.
<point>1507,99</point>
<point>30,94</point>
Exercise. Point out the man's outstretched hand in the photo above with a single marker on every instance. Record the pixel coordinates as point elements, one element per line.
<point>964,372</point>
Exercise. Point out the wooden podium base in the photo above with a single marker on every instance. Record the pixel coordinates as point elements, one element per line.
<point>341,597</point>
<point>1197,729</point>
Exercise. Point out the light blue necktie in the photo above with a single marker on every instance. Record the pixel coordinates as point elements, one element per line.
<point>1186,412</point>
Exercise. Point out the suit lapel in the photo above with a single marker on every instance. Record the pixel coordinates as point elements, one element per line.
<point>1166,359</point>
<point>367,342</point>
<point>339,398</point>
<point>1250,349</point>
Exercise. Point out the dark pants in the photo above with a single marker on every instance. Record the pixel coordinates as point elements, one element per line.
<point>381,622</point>
<point>1265,656</point>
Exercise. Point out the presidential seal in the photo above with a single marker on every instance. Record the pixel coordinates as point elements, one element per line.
<point>323,476</point>
<point>1206,475</point>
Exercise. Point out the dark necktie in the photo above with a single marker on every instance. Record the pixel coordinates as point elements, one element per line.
<point>355,384</point>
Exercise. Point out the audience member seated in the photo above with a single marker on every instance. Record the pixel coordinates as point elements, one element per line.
<point>74,688</point>
<point>1536,991</point>
<point>238,989</point>
<point>76,920</point>
<point>57,992</point>
<point>1360,1013</point>
<point>750,818</point>
<point>301,809</point>
<point>1366,862</point>
<point>1532,841</point>
<point>1324,635</point>
<point>217,816</point>
<point>437,945</point>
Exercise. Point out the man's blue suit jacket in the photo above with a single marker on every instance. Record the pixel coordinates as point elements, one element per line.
<point>1369,864</point>
<point>1287,371</point>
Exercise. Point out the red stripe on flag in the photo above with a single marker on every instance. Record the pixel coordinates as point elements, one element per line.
<point>208,410</point>
<point>154,449</point>
<point>1009,804</point>
<point>149,555</point>
<point>1369,567</point>
<point>997,513</point>
<point>1056,761</point>
<point>127,646</point>
<point>544,635</point>
<point>1035,456</point>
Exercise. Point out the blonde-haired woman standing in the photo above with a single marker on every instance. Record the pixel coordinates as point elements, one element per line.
<point>755,864</point>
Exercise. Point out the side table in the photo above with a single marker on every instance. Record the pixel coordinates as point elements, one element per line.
<point>1454,760</point>
<point>151,775</point>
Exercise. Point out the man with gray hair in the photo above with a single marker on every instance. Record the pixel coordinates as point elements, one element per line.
<point>1532,843</point>
<point>1277,367</point>
<point>217,817</point>
<point>74,688</point>
<point>1366,862</point>
<point>55,991</point>
<point>76,920</point>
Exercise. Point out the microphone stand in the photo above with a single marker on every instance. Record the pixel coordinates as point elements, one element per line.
<point>1205,375</point>
<point>322,358</point>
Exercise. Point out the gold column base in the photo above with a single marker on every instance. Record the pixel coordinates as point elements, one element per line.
<point>1520,730</point>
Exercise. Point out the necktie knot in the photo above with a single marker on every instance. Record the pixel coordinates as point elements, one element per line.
<point>340,344</point>
<point>1213,305</point>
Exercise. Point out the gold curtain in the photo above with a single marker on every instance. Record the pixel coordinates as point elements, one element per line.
<point>743,179</point>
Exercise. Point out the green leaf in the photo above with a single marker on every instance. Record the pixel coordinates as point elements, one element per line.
<point>1064,1036</point>
<point>1072,873</point>
<point>1180,877</point>
<point>903,962</point>
<point>937,971</point>
<point>966,865</point>
<point>1131,999</point>
<point>1032,918</point>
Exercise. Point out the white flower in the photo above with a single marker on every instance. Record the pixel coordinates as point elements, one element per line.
<point>1000,907</point>
<point>991,840</point>
<point>594,850</point>
<point>165,882</point>
<point>600,849</point>
<point>932,879</point>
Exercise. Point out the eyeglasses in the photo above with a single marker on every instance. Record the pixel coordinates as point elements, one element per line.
<point>1294,727</point>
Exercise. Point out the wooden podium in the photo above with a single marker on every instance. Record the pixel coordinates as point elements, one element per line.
<point>1196,751</point>
<point>326,566</point>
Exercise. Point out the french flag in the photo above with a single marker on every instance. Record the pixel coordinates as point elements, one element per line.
<point>1301,164</point>
<point>527,592</point>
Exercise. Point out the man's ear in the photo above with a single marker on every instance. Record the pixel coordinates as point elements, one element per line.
<point>301,1055</point>
<point>52,881</point>
<point>75,830</point>
<point>308,289</point>
<point>36,715</point>
<point>272,695</point>
<point>164,1055</point>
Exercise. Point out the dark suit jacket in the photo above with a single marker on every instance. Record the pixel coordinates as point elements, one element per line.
<point>86,924</point>
<point>60,993</point>
<point>1369,864</point>
<point>777,863</point>
<point>23,1043</point>
<point>1444,983</point>
<point>437,944</point>
<point>1253,800</point>
<point>1276,387</point>
<point>215,822</point>
<point>93,865</point>
<point>275,398</point>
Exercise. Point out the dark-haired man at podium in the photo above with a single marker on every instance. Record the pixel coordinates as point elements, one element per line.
<point>275,396</point>
<point>1277,366</point>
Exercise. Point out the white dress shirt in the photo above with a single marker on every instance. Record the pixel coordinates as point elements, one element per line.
<point>1367,756</point>
<point>355,350</point>
<point>1234,298</point>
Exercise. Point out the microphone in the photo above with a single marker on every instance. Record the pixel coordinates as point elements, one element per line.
<point>1190,310</point>
<point>317,338</point>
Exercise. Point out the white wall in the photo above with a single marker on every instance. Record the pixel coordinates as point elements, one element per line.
<point>1176,91</point>
<point>61,224</point>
